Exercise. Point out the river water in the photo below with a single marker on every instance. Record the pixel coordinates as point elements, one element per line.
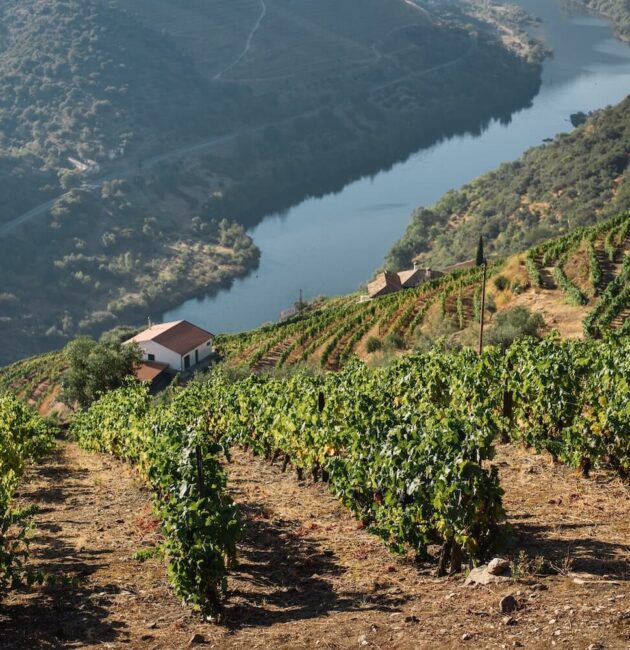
<point>330,245</point>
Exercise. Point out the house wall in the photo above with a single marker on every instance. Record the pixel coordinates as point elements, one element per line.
<point>174,360</point>
<point>204,353</point>
<point>162,354</point>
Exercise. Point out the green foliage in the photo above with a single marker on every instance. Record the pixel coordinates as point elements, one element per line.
<point>513,324</point>
<point>574,295</point>
<point>480,258</point>
<point>501,282</point>
<point>373,344</point>
<point>94,368</point>
<point>179,455</point>
<point>613,299</point>
<point>571,399</point>
<point>24,437</point>
<point>595,269</point>
<point>34,378</point>
<point>399,449</point>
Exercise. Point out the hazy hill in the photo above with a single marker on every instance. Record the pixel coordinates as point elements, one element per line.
<point>82,78</point>
<point>305,97</point>
<point>575,180</point>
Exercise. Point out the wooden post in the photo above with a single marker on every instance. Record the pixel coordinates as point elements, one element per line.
<point>483,306</point>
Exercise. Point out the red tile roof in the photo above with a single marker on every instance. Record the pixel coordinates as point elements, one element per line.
<point>149,370</point>
<point>386,282</point>
<point>179,336</point>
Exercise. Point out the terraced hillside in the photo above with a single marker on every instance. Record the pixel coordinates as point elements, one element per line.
<point>579,283</point>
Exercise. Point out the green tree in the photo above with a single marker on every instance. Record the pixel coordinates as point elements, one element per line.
<point>480,259</point>
<point>95,368</point>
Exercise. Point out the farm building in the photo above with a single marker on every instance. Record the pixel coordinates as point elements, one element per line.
<point>416,276</point>
<point>178,345</point>
<point>388,282</point>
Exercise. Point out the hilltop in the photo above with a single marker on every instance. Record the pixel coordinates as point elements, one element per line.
<point>575,180</point>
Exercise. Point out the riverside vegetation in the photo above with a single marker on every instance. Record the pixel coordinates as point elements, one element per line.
<point>531,199</point>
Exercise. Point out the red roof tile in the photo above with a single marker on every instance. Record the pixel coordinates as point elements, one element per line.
<point>179,336</point>
<point>149,370</point>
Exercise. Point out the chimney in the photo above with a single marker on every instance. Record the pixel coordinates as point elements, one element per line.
<point>415,265</point>
<point>427,272</point>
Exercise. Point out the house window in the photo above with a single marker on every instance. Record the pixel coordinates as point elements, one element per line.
<point>187,362</point>
<point>208,343</point>
<point>150,357</point>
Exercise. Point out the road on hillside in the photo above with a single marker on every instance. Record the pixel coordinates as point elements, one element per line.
<point>248,43</point>
<point>148,163</point>
<point>125,172</point>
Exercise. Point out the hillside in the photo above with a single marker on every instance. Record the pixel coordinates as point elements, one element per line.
<point>81,79</point>
<point>196,143</point>
<point>576,180</point>
<point>578,283</point>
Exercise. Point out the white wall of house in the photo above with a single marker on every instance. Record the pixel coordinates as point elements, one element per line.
<point>174,360</point>
<point>160,354</point>
<point>203,352</point>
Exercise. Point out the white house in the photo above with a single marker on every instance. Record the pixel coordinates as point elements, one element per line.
<point>179,344</point>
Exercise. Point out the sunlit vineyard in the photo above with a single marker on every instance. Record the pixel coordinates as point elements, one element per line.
<point>408,448</point>
<point>328,334</point>
<point>606,249</point>
<point>24,437</point>
<point>35,379</point>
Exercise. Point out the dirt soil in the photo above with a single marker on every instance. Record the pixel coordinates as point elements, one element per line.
<point>555,310</point>
<point>310,577</point>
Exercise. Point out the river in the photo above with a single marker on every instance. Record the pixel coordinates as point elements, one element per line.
<point>331,245</point>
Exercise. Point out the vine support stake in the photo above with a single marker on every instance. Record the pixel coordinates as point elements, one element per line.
<point>483,305</point>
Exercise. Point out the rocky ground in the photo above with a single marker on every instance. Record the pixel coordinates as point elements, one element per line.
<point>310,577</point>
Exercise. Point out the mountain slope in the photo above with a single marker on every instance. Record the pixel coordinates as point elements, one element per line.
<point>575,180</point>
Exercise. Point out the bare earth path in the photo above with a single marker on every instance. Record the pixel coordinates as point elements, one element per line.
<point>309,577</point>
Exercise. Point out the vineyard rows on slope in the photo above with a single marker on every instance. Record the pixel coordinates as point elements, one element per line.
<point>408,448</point>
<point>330,334</point>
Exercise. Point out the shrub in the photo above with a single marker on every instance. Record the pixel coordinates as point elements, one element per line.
<point>374,344</point>
<point>514,324</point>
<point>501,283</point>
<point>394,341</point>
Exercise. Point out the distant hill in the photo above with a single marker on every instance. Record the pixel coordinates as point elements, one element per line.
<point>576,180</point>
<point>80,78</point>
<point>204,117</point>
